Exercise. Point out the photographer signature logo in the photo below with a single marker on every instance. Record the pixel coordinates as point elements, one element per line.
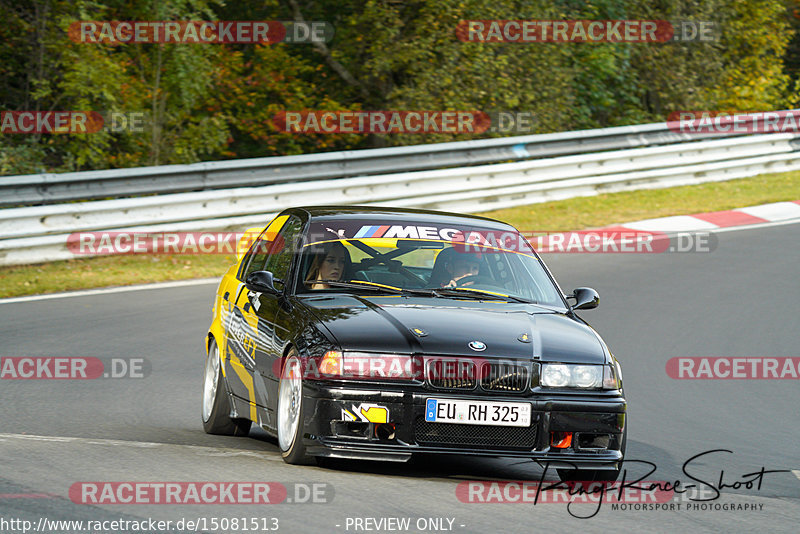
<point>698,488</point>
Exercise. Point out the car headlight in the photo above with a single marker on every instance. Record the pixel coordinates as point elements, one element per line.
<point>586,376</point>
<point>331,364</point>
<point>562,375</point>
<point>344,365</point>
<point>555,375</point>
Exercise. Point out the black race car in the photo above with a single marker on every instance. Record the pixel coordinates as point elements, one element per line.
<point>377,333</point>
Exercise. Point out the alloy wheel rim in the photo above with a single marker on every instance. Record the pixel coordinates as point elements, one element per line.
<point>210,382</point>
<point>290,398</point>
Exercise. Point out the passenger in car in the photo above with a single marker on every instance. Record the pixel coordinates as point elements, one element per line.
<point>331,262</point>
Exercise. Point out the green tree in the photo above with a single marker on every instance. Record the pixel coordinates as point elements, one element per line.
<point>209,101</point>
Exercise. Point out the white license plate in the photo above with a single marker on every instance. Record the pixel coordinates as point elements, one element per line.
<point>468,412</point>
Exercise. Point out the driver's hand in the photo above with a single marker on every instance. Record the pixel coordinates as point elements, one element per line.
<point>454,282</point>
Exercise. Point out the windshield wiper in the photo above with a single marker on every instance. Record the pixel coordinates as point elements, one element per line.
<point>376,287</point>
<point>356,284</point>
<point>476,293</point>
<point>438,292</point>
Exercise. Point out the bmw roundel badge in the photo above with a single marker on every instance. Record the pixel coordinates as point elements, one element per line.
<point>477,345</point>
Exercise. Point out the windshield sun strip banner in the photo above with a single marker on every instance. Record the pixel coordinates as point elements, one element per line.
<point>467,248</point>
<point>468,239</point>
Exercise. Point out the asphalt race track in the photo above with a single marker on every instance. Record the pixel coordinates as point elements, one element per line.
<point>741,300</point>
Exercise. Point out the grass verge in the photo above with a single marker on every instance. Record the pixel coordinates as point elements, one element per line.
<point>615,208</point>
<point>562,215</point>
<point>85,273</point>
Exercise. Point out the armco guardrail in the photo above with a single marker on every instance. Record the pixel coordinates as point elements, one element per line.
<point>39,233</point>
<point>89,185</point>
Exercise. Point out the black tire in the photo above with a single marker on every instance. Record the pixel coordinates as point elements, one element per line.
<point>291,412</point>
<point>216,409</point>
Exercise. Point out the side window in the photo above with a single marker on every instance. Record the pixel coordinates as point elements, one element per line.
<point>256,256</point>
<point>283,248</point>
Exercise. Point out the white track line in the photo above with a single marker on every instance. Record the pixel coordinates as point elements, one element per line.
<point>106,290</point>
<point>773,212</point>
<point>199,449</point>
<point>677,223</point>
<point>750,226</point>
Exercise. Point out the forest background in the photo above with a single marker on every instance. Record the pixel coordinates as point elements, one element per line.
<point>215,101</point>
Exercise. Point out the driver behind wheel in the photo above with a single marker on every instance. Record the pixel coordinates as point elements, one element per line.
<point>331,261</point>
<point>461,266</point>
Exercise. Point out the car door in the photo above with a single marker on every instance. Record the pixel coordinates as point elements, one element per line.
<point>252,327</point>
<point>245,335</point>
<point>279,262</point>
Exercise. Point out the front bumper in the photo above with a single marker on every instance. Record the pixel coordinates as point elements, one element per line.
<point>596,421</point>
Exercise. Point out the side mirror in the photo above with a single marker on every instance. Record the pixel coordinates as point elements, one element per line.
<point>261,282</point>
<point>586,298</point>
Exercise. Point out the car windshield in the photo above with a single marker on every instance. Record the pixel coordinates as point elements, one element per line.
<point>437,261</point>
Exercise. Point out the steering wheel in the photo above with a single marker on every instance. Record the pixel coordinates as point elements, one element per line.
<point>394,266</point>
<point>475,278</point>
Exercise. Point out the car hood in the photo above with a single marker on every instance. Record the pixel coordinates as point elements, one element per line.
<point>399,324</point>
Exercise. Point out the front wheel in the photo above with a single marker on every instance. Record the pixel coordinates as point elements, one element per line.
<point>290,412</point>
<point>216,404</point>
